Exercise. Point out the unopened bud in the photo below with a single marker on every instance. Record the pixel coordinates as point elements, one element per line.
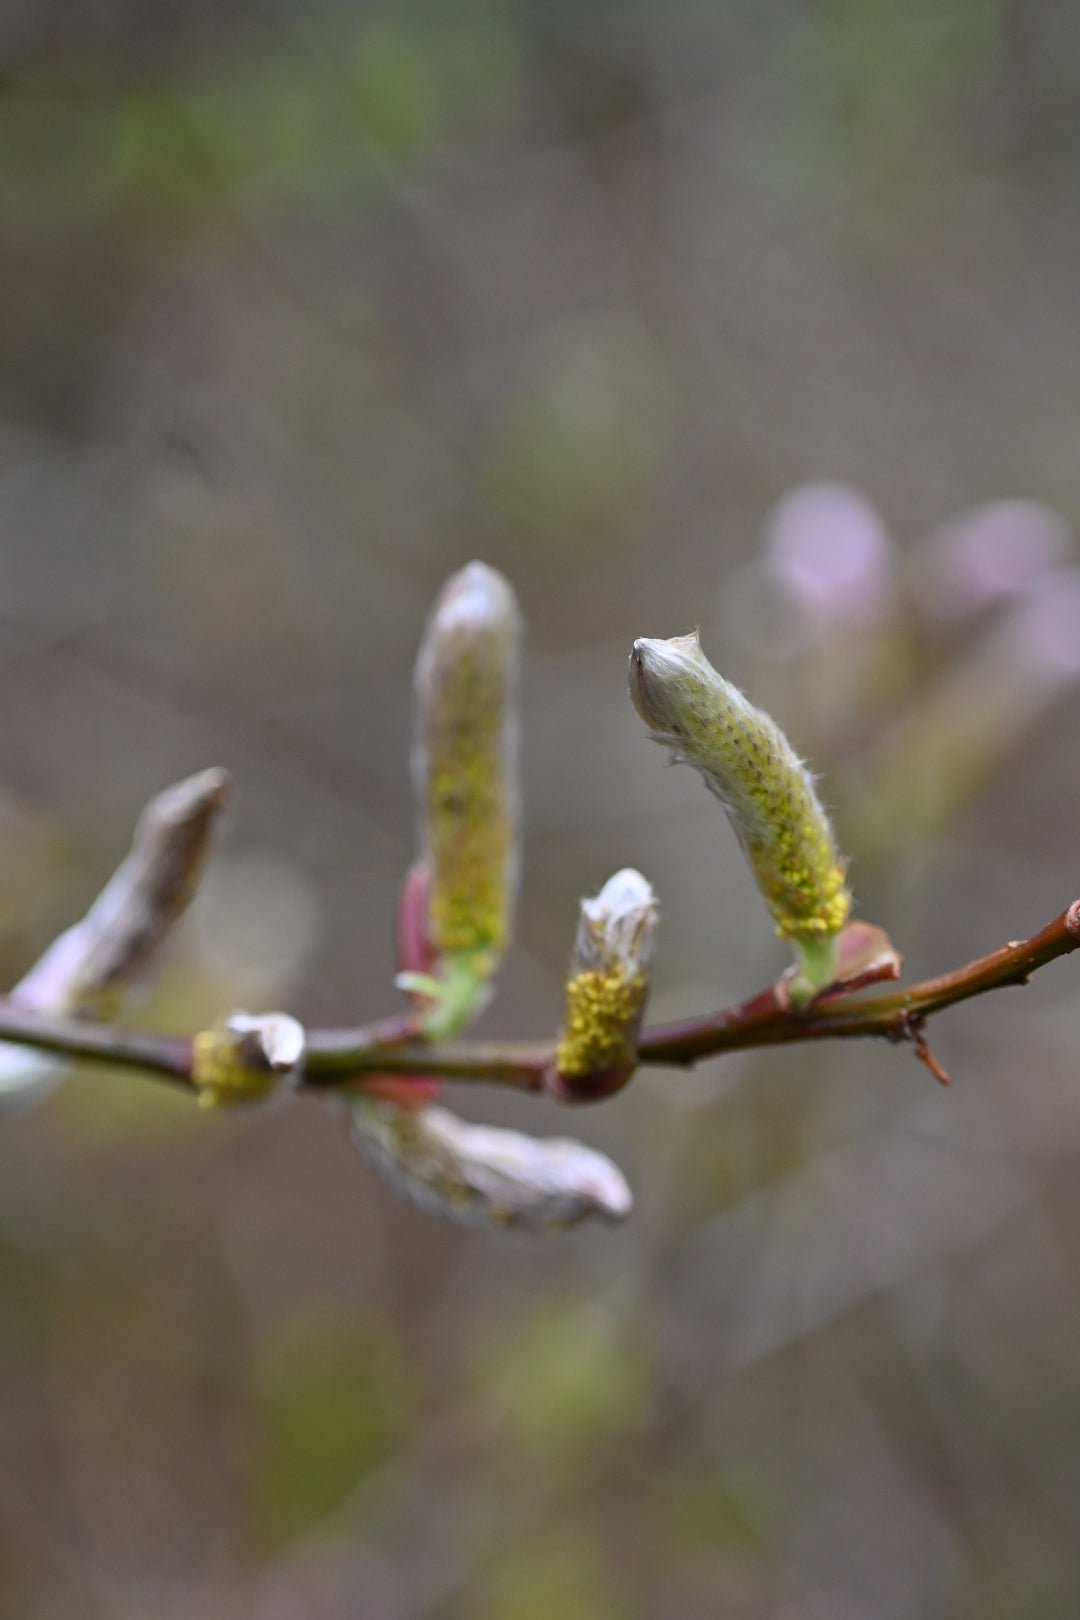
<point>766,790</point>
<point>485,1176</point>
<point>246,1059</point>
<point>87,971</point>
<point>465,765</point>
<point>606,989</point>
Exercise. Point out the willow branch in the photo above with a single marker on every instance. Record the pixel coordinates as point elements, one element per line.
<point>165,1056</point>
<point>336,1055</point>
<point>894,1015</point>
<point>392,1046</point>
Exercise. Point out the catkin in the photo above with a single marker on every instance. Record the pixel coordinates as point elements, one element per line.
<point>465,764</point>
<point>748,763</point>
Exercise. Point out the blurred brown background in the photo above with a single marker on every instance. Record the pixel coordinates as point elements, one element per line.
<point>757,316</point>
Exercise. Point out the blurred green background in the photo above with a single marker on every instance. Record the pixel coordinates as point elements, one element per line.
<point>757,316</point>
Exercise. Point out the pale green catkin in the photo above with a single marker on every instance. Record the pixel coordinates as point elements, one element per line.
<point>766,790</point>
<point>465,764</point>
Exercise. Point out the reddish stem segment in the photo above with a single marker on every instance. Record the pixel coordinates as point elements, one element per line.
<point>764,1021</point>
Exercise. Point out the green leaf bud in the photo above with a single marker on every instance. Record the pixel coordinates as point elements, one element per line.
<point>766,790</point>
<point>606,989</point>
<point>465,768</point>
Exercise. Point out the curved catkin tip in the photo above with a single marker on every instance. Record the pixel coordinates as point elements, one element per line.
<point>465,764</point>
<point>606,988</point>
<point>766,790</point>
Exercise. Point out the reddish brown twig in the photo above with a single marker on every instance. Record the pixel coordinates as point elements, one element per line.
<point>340,1057</point>
<point>765,1021</point>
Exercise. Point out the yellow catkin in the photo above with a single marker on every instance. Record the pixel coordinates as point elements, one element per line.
<point>748,763</point>
<point>601,1023</point>
<point>607,985</point>
<point>222,1076</point>
<point>468,818</point>
<point>465,763</point>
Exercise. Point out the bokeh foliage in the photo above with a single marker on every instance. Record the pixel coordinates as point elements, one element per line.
<point>302,307</point>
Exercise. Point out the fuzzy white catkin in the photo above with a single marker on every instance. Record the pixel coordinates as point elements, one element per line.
<point>485,1176</point>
